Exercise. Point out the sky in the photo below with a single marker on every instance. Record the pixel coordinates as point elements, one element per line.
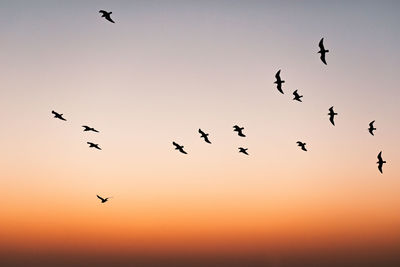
<point>161,72</point>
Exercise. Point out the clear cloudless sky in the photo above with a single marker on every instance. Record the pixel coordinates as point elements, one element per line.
<point>161,72</point>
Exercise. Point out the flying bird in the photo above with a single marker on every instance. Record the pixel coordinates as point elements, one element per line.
<point>371,128</point>
<point>297,96</point>
<point>332,115</point>
<point>243,150</point>
<point>106,15</point>
<point>239,130</point>
<point>279,81</point>
<point>302,145</point>
<point>178,147</point>
<point>103,200</point>
<point>322,50</point>
<point>58,115</point>
<point>205,136</point>
<point>93,145</point>
<point>87,128</point>
<point>380,162</point>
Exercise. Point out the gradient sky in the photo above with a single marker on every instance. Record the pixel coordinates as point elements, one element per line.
<point>167,68</point>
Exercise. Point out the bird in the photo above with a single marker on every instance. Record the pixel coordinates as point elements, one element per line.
<point>322,51</point>
<point>302,145</point>
<point>371,128</point>
<point>239,130</point>
<point>103,200</point>
<point>380,162</point>
<point>332,115</point>
<point>93,145</point>
<point>87,128</point>
<point>58,115</point>
<point>243,150</point>
<point>106,15</point>
<point>297,96</point>
<point>205,136</point>
<point>178,147</point>
<point>279,81</point>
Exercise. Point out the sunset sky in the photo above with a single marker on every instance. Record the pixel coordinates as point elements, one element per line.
<point>161,72</point>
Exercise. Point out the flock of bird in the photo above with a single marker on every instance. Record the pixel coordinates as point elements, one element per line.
<point>91,144</point>
<point>279,82</point>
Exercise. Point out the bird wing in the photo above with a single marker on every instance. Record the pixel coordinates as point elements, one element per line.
<point>380,156</point>
<point>175,144</point>
<point>323,58</point>
<point>99,197</point>
<point>279,87</point>
<point>380,167</point>
<point>109,19</point>
<point>371,124</point>
<point>103,12</point>
<point>370,130</point>
<point>201,132</point>
<point>331,119</point>
<point>321,44</point>
<point>243,150</point>
<point>206,139</point>
<point>277,75</point>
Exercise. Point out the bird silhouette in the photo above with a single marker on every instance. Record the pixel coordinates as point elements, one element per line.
<point>58,115</point>
<point>239,130</point>
<point>94,145</point>
<point>322,51</point>
<point>302,145</point>
<point>332,115</point>
<point>205,136</point>
<point>103,200</point>
<point>380,162</point>
<point>87,128</point>
<point>371,128</point>
<point>178,147</point>
<point>297,96</point>
<point>243,150</point>
<point>106,15</point>
<point>279,81</point>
